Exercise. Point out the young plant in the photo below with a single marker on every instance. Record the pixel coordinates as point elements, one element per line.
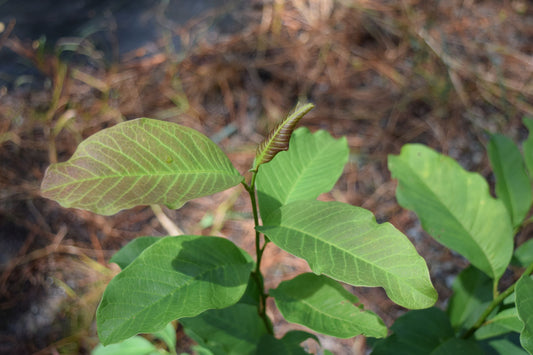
<point>457,209</point>
<point>211,286</point>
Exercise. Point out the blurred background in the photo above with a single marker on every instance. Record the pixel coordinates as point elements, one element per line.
<point>383,73</point>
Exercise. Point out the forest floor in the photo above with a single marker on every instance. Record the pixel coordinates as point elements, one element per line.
<point>382,73</point>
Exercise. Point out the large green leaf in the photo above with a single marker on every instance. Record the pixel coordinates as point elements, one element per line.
<point>424,332</point>
<point>454,206</point>
<point>527,146</point>
<point>472,293</point>
<point>140,162</point>
<point>232,330</point>
<point>509,344</point>
<point>512,182</point>
<point>345,243</point>
<point>173,278</point>
<point>323,305</point>
<point>524,305</point>
<point>310,167</point>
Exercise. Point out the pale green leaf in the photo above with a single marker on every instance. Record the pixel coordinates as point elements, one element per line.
<point>323,305</point>
<point>233,330</point>
<point>132,250</point>
<point>310,167</point>
<point>455,207</point>
<point>345,243</point>
<point>168,336</point>
<point>503,322</point>
<point>173,278</point>
<point>524,305</point>
<point>133,346</point>
<point>512,182</point>
<point>508,344</point>
<point>140,162</point>
<point>472,293</point>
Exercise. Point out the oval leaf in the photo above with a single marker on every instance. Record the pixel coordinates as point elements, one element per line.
<point>454,206</point>
<point>311,167</point>
<point>524,306</point>
<point>174,278</point>
<point>278,139</point>
<point>345,243</point>
<point>140,162</point>
<point>323,305</point>
<point>512,182</point>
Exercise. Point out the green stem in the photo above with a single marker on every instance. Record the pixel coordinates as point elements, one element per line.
<point>502,296</point>
<point>258,276</point>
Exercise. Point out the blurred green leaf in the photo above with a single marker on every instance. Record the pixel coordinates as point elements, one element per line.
<point>270,345</point>
<point>310,167</point>
<point>323,305</point>
<point>472,293</point>
<point>173,278</point>
<point>168,336</point>
<point>454,206</point>
<point>524,305</point>
<point>233,330</point>
<point>503,322</point>
<point>523,255</point>
<point>345,243</point>
<point>527,146</point>
<point>132,250</point>
<point>133,346</point>
<point>140,162</point>
<point>424,332</point>
<point>512,182</point>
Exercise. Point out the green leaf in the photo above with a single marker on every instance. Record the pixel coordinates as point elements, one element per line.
<point>523,255</point>
<point>345,243</point>
<point>527,146</point>
<point>458,346</point>
<point>503,322</point>
<point>140,162</point>
<point>503,345</point>
<point>132,346</point>
<point>132,250</point>
<point>323,305</point>
<point>232,330</point>
<point>512,182</point>
<point>455,207</point>
<point>472,293</point>
<point>278,139</point>
<point>524,305</point>
<point>424,332</point>
<point>168,336</point>
<point>174,278</point>
<point>310,167</point>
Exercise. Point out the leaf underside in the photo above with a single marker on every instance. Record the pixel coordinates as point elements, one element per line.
<point>140,162</point>
<point>345,243</point>
<point>322,304</point>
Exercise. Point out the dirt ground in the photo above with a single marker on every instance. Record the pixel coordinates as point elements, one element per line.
<point>382,73</point>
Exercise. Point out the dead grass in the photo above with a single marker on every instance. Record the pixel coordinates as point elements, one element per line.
<point>383,73</point>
